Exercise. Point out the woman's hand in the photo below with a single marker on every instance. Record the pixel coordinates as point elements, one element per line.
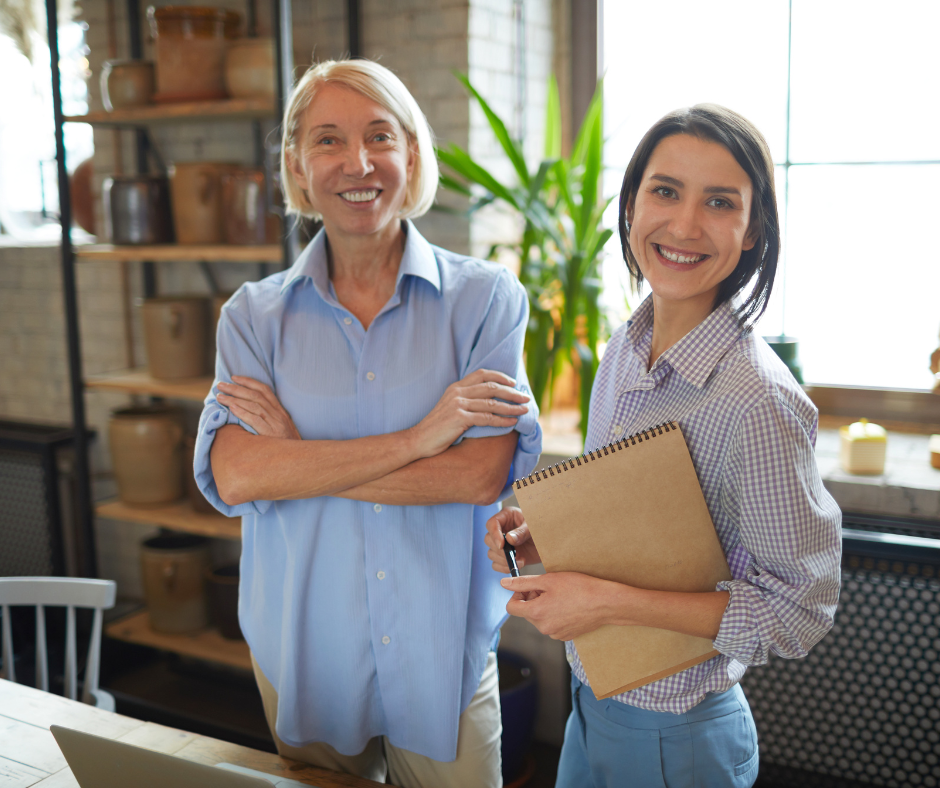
<point>471,402</point>
<point>255,404</point>
<point>509,525</point>
<point>563,605</point>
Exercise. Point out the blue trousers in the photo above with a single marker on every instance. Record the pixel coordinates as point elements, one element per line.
<point>609,744</point>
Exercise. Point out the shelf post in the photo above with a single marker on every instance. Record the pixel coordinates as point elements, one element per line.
<point>83,515</point>
<point>282,26</point>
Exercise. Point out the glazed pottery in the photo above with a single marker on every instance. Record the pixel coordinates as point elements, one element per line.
<point>244,206</point>
<point>197,201</point>
<point>146,449</point>
<point>175,336</point>
<point>126,83</point>
<point>222,584</point>
<point>80,191</point>
<point>174,571</point>
<point>190,51</point>
<point>137,209</point>
<point>249,68</point>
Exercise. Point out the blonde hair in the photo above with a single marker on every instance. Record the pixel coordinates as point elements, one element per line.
<point>377,83</point>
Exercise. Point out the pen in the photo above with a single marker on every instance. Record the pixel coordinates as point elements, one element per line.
<point>510,552</point>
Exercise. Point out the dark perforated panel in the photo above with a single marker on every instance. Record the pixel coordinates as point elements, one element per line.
<point>865,704</point>
<point>24,516</point>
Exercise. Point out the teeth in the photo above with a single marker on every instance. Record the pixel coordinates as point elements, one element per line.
<point>365,196</point>
<point>681,258</point>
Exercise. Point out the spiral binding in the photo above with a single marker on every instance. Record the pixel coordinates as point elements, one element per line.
<point>576,462</point>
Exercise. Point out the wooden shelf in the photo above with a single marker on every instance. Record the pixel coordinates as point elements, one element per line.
<point>224,253</point>
<point>178,515</point>
<point>138,381</point>
<point>228,109</point>
<point>207,644</point>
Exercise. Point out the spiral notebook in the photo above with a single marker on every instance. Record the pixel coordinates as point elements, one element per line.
<point>632,512</point>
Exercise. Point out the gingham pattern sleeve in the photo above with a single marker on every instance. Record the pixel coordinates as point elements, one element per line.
<point>790,539</point>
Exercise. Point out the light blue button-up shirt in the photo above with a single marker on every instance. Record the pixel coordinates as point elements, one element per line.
<point>370,619</point>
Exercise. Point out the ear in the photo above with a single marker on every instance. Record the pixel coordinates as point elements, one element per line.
<point>296,170</point>
<point>631,205</point>
<point>750,239</point>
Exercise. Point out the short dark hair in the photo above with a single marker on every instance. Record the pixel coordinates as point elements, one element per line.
<point>714,123</point>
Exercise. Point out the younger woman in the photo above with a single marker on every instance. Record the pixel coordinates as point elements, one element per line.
<point>698,222</point>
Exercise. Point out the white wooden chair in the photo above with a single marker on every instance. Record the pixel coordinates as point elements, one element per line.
<point>67,592</point>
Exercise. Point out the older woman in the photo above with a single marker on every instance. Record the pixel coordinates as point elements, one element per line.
<point>369,410</point>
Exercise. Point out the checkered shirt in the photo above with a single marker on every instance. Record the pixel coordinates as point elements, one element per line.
<point>751,432</point>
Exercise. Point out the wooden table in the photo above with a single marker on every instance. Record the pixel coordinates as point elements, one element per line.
<point>29,755</point>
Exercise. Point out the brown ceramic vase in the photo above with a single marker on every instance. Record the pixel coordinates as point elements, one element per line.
<point>175,329</point>
<point>146,449</point>
<point>174,570</point>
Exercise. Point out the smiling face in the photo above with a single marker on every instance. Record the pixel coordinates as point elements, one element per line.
<point>689,222</point>
<point>354,162</point>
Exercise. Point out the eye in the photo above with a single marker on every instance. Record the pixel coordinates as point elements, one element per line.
<point>720,202</point>
<point>665,191</point>
<point>382,136</point>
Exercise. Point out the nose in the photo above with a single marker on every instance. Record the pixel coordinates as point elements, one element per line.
<point>357,163</point>
<point>685,222</point>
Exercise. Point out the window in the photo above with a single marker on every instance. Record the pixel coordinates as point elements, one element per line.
<point>846,95</point>
<point>29,191</point>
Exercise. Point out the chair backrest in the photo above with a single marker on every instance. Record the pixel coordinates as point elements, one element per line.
<point>67,592</point>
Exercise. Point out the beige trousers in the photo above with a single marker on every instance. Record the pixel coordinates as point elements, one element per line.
<point>478,763</point>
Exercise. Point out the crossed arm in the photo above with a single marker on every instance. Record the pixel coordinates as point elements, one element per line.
<point>417,466</point>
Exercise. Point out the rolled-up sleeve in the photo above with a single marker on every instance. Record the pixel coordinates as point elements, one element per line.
<point>239,353</point>
<point>790,535</point>
<point>499,346</point>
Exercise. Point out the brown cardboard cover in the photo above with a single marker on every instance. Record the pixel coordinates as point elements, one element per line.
<point>634,514</point>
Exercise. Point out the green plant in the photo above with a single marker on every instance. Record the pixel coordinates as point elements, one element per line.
<point>561,242</point>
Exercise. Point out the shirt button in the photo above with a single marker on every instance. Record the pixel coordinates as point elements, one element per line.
<point>347,321</point>
<point>378,507</point>
<point>370,376</point>
<point>616,428</point>
<point>386,640</point>
<point>570,658</point>
<point>380,575</point>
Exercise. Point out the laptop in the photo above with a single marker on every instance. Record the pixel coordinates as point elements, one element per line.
<point>103,763</point>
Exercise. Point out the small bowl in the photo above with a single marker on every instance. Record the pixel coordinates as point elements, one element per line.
<point>126,83</point>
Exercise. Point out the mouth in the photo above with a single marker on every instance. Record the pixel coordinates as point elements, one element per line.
<point>679,257</point>
<point>360,195</point>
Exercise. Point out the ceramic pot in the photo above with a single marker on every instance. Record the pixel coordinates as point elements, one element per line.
<point>83,201</point>
<point>137,209</point>
<point>126,83</point>
<point>146,449</point>
<point>222,585</point>
<point>249,68</point>
<point>196,499</point>
<point>197,201</point>
<point>190,51</point>
<point>175,336</point>
<point>174,571</point>
<point>244,208</point>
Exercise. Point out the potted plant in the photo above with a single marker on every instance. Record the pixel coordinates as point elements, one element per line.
<point>561,243</point>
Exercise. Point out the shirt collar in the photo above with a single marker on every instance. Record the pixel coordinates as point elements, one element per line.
<point>418,259</point>
<point>697,354</point>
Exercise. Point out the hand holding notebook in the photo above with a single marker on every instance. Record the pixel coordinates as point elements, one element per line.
<point>632,513</point>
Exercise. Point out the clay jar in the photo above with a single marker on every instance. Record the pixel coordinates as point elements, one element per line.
<point>137,209</point>
<point>196,189</point>
<point>190,47</point>
<point>244,206</point>
<point>174,570</point>
<point>146,448</point>
<point>249,68</point>
<point>126,83</point>
<point>175,336</point>
<point>222,584</point>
